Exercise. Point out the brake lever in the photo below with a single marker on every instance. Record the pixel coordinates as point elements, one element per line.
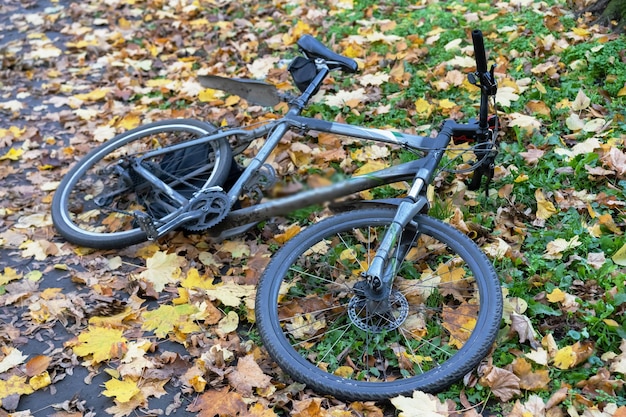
<point>485,80</point>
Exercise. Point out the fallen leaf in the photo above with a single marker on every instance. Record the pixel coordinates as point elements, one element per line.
<point>524,328</point>
<point>122,390</point>
<point>347,98</point>
<point>37,365</point>
<point>555,248</point>
<point>248,375</point>
<point>504,384</point>
<point>229,323</point>
<point>162,269</point>
<point>40,381</point>
<point>14,385</point>
<point>218,403</point>
<point>11,359</point>
<point>581,102</point>
<point>571,356</point>
<point>539,356</point>
<point>420,404</point>
<point>167,318</point>
<point>530,380</point>
<point>100,342</point>
<point>545,208</point>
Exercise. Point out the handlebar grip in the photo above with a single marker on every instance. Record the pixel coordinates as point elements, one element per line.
<point>479,50</point>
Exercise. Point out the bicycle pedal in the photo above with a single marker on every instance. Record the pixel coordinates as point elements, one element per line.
<point>146,224</point>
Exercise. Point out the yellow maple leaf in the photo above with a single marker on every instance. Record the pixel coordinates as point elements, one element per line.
<point>167,318</point>
<point>565,358</point>
<point>9,275</point>
<point>14,385</point>
<point>581,32</point>
<point>423,107</point>
<point>94,95</point>
<point>161,269</point>
<point>195,280</point>
<point>130,121</point>
<point>545,208</point>
<point>446,104</point>
<point>12,154</point>
<point>100,342</point>
<point>371,166</point>
<point>206,95</point>
<point>556,296</point>
<point>122,390</point>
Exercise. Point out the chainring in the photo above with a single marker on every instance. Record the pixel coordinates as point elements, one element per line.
<point>212,205</point>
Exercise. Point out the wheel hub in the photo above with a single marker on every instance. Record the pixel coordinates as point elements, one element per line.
<point>377,316</point>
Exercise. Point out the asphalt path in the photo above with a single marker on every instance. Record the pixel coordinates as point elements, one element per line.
<point>74,392</point>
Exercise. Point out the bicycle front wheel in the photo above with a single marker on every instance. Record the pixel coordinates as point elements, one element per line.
<point>439,322</point>
<point>94,203</point>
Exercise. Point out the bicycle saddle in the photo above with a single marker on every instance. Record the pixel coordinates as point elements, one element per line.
<point>315,49</point>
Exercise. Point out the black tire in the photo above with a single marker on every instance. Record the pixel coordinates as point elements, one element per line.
<point>446,308</point>
<point>111,225</point>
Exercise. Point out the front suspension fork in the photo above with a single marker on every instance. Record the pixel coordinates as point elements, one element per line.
<point>381,271</point>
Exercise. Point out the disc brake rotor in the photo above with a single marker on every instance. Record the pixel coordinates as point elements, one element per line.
<point>377,316</point>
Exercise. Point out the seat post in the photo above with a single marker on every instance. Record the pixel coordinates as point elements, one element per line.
<point>301,102</point>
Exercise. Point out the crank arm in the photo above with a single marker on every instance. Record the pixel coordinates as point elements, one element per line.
<point>153,232</point>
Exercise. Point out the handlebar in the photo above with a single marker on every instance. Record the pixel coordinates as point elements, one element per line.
<point>479,51</point>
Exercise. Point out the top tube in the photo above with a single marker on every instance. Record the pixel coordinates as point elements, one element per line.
<point>418,142</point>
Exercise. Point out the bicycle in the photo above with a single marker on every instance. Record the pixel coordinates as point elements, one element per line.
<point>367,304</point>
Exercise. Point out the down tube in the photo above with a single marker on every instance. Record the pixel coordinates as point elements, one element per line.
<point>285,205</point>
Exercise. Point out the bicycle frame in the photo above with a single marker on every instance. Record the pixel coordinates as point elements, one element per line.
<point>419,171</point>
<point>380,272</point>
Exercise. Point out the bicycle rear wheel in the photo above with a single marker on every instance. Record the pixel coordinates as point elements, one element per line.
<point>439,322</point>
<point>94,203</point>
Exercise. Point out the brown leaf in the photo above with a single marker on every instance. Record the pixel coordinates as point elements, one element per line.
<point>247,375</point>
<point>310,407</point>
<point>218,403</point>
<point>504,384</point>
<point>558,397</point>
<point>37,365</point>
<point>368,409</point>
<point>523,327</point>
<point>532,155</point>
<point>530,380</point>
<point>601,383</point>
